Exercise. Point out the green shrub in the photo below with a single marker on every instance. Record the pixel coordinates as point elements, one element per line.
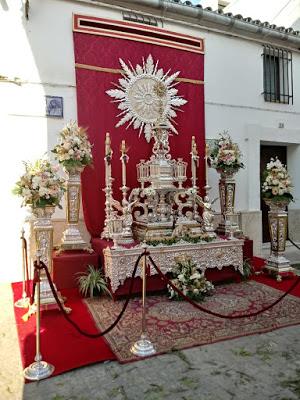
<point>92,281</point>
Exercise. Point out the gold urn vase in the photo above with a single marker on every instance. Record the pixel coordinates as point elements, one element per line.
<point>277,263</point>
<point>72,238</point>
<point>227,198</point>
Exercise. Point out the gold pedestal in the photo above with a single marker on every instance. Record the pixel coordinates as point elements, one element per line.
<point>43,231</point>
<point>277,263</point>
<point>72,238</point>
<point>38,369</point>
<point>227,197</point>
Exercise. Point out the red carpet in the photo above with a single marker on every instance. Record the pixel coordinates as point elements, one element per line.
<point>61,344</point>
<point>178,325</point>
<point>66,349</point>
<point>284,285</point>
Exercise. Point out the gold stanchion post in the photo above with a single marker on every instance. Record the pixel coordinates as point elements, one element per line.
<point>39,369</point>
<point>23,302</point>
<point>143,347</point>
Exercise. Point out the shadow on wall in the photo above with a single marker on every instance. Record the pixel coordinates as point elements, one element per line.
<point>52,59</point>
<point>4,5</point>
<point>53,86</point>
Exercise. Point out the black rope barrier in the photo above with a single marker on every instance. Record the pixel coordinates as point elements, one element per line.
<point>73,323</point>
<point>253,314</point>
<point>41,266</point>
<point>293,243</point>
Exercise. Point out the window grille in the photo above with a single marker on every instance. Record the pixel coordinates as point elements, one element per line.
<point>278,75</point>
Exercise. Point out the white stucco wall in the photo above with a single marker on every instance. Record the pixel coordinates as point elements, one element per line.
<point>40,53</point>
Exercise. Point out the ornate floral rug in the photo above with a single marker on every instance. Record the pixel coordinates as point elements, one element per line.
<point>174,325</point>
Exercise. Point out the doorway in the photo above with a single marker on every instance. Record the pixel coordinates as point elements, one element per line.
<point>266,152</point>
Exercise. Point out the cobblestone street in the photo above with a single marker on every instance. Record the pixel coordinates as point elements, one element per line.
<point>265,366</point>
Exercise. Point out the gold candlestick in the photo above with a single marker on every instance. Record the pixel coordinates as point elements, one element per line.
<point>143,347</point>
<point>39,369</point>
<point>23,302</point>
<point>108,186</point>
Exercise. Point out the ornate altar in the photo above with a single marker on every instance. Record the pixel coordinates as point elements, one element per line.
<point>220,253</point>
<point>166,206</point>
<point>161,207</point>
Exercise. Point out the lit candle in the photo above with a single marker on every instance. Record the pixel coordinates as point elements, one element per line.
<point>107,145</point>
<point>123,160</point>
<point>207,151</point>
<point>107,158</point>
<point>194,154</point>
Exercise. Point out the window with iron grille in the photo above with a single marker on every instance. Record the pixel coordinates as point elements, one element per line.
<point>278,75</point>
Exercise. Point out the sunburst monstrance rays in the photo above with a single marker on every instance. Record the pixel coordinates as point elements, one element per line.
<point>146,96</point>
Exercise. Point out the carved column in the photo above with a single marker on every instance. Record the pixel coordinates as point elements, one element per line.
<point>227,199</point>
<point>278,219</point>
<point>72,238</point>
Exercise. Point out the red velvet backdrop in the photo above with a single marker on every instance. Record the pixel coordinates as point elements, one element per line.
<point>99,114</point>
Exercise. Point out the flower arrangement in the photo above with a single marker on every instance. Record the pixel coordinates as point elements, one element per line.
<point>188,279</point>
<point>40,186</point>
<point>74,149</point>
<point>149,191</point>
<point>226,155</point>
<point>277,183</point>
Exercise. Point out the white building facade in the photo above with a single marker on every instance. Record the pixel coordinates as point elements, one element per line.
<point>38,60</point>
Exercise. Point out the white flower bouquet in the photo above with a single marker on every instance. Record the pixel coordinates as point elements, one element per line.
<point>40,185</point>
<point>225,156</point>
<point>149,191</point>
<point>74,149</point>
<point>188,279</point>
<point>277,183</point>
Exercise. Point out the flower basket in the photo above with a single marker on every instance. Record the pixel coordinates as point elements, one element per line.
<point>40,185</point>
<point>277,184</point>
<point>276,192</point>
<point>74,151</point>
<point>225,156</point>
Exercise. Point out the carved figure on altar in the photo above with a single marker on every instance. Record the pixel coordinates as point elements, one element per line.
<point>127,216</point>
<point>180,231</point>
<point>207,214</point>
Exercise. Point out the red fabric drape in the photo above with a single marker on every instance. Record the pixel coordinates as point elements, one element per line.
<point>99,114</point>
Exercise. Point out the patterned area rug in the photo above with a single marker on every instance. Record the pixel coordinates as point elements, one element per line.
<point>176,324</point>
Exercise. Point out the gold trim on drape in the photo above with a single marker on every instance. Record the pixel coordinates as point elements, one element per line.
<point>119,71</point>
